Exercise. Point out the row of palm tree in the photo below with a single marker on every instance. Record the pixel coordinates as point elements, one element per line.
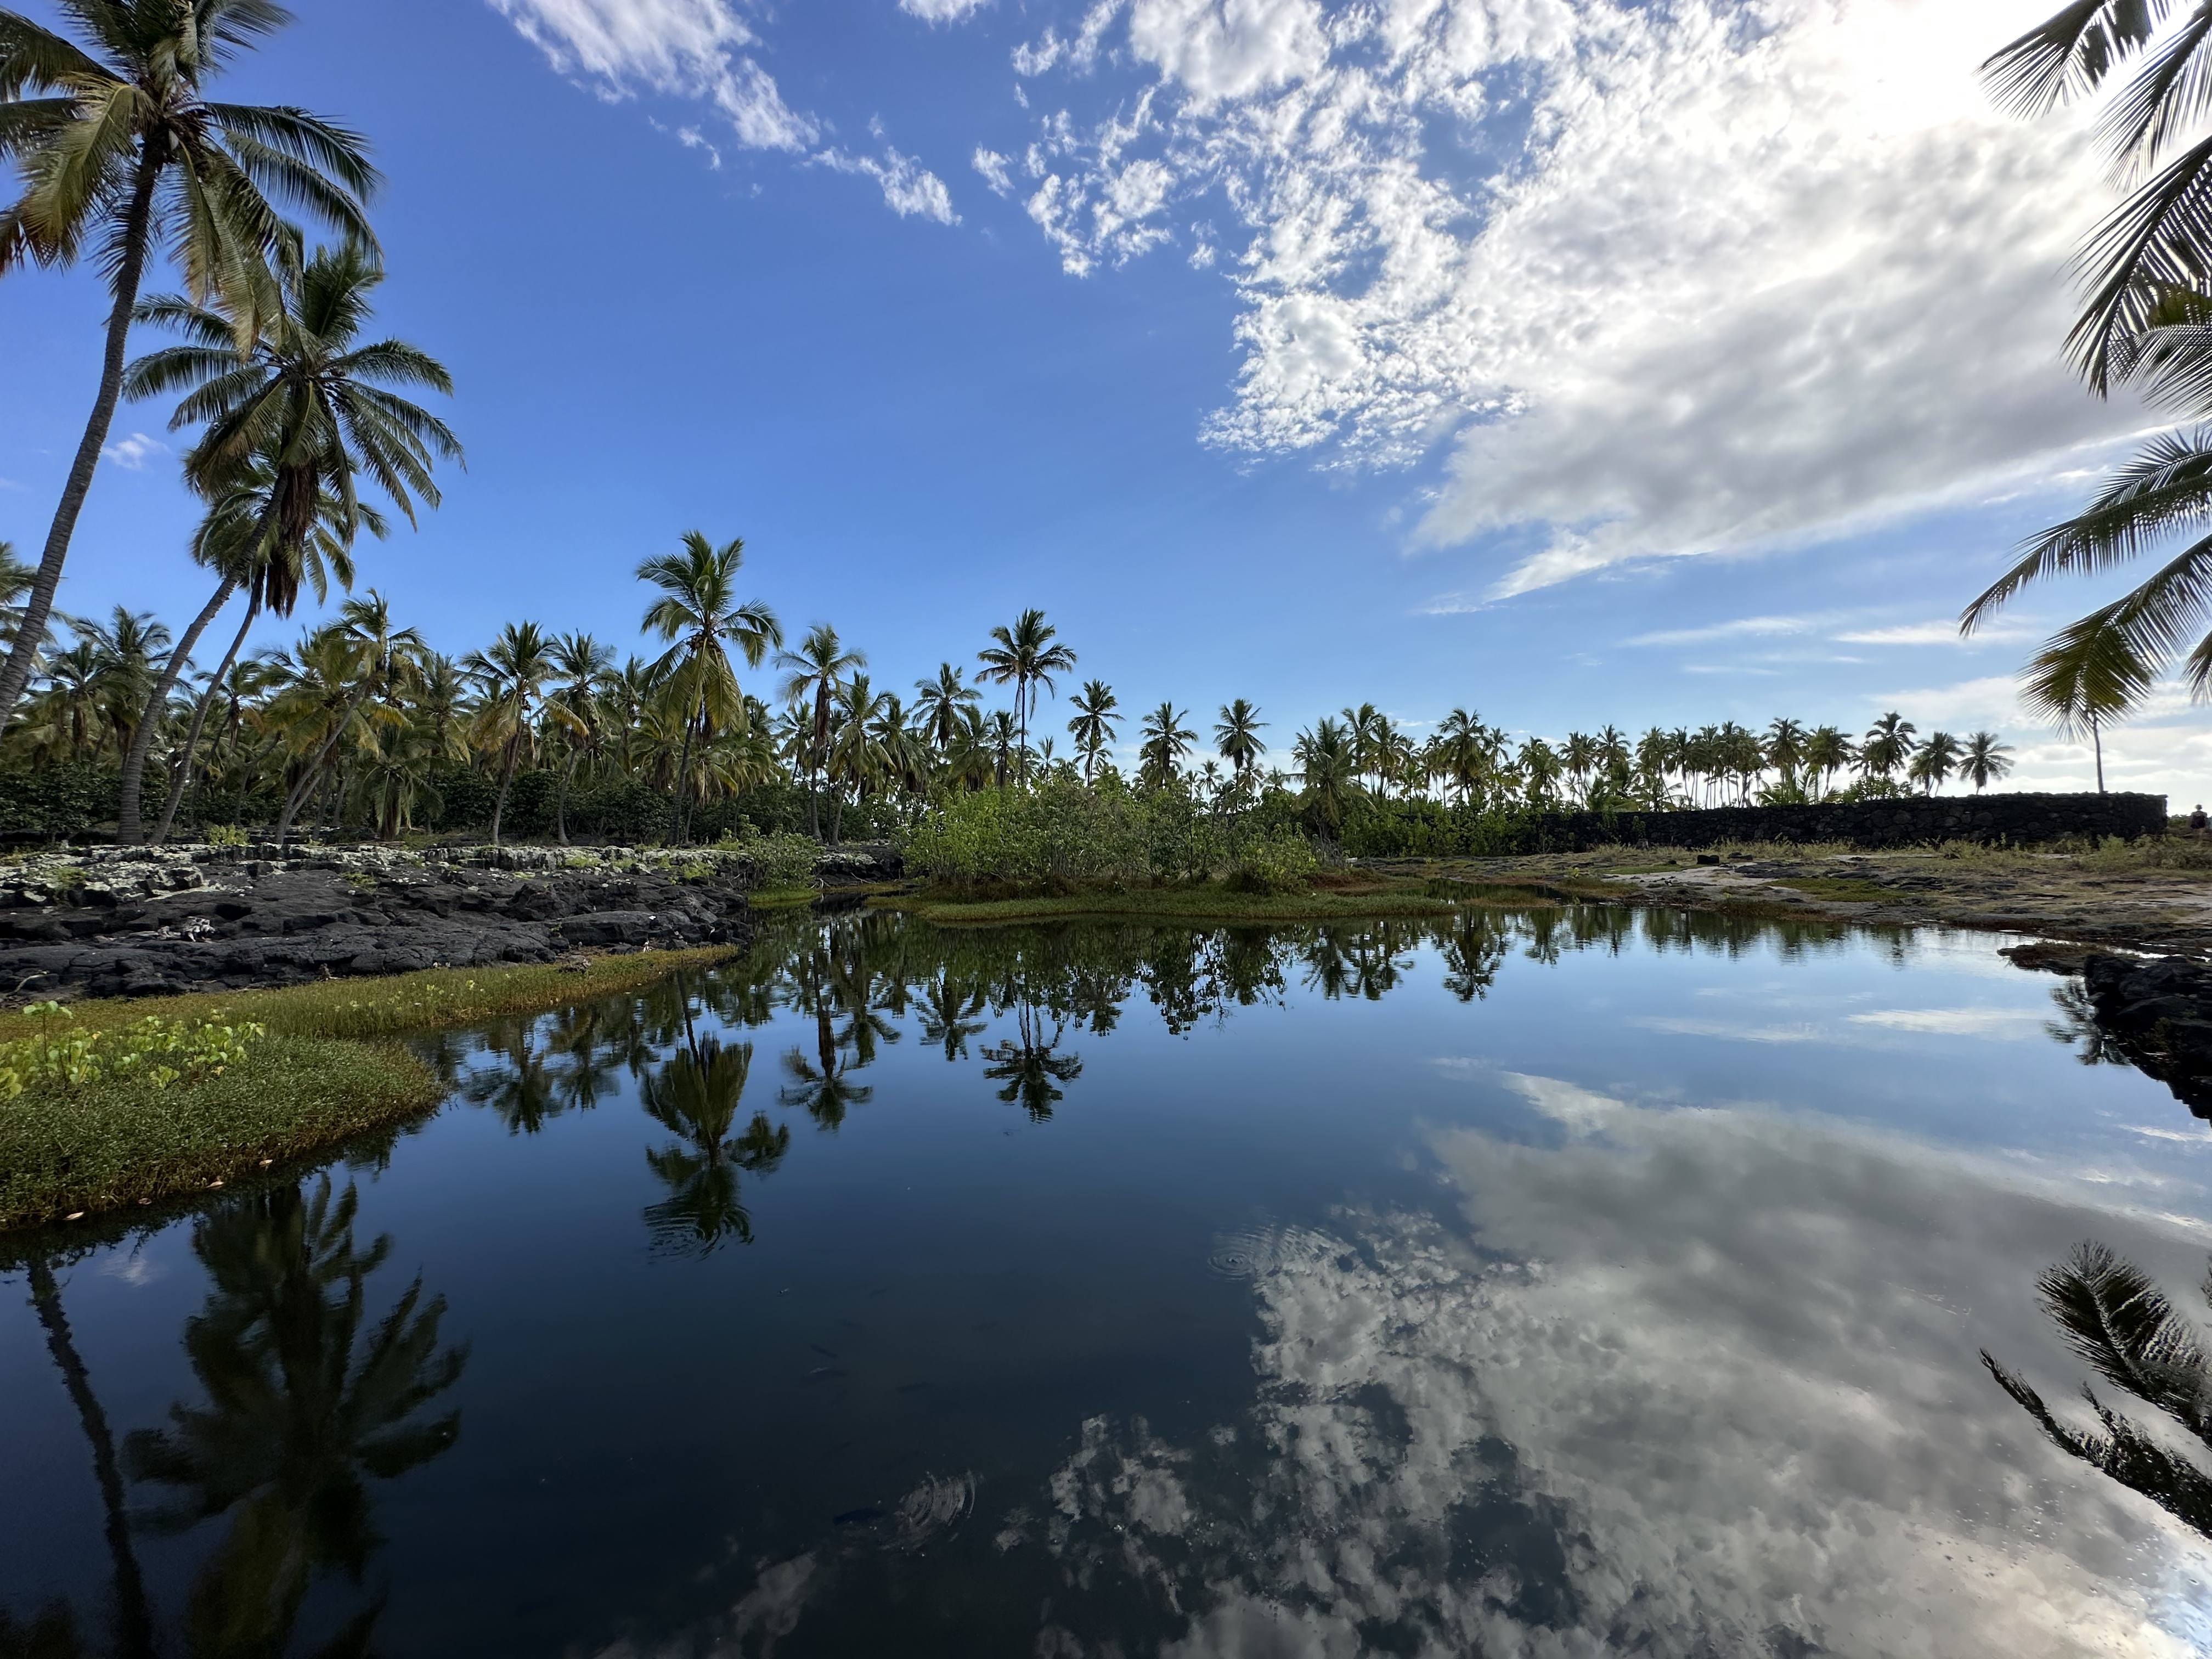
<point>362,723</point>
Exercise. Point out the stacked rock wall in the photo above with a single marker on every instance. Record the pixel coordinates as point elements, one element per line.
<point>2019,820</point>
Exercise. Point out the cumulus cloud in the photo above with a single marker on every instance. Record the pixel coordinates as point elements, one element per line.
<point>940,11</point>
<point>693,48</point>
<point>1670,280</point>
<point>132,453</point>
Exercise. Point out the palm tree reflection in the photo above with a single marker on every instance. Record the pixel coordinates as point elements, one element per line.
<point>2121,1323</point>
<point>306,1403</point>
<point>1027,1065</point>
<point>696,1095</point>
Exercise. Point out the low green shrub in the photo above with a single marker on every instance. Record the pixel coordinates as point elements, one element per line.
<point>1274,865</point>
<point>60,1053</point>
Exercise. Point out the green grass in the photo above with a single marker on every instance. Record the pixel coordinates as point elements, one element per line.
<point>1208,903</point>
<point>326,1071</point>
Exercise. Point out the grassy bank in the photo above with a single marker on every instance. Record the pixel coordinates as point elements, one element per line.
<point>325,1068</point>
<point>1192,904</point>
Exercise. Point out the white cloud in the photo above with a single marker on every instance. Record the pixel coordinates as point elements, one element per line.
<point>993,167</point>
<point>1941,631</point>
<point>941,11</point>
<point>693,48</point>
<point>908,187</point>
<point>1674,280</point>
<point>1741,627</point>
<point>2004,1023</point>
<point>132,453</point>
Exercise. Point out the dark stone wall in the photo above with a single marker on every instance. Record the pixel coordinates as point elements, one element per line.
<point>2020,820</point>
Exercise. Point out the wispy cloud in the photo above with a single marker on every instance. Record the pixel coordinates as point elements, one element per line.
<point>2002,1023</point>
<point>692,48</point>
<point>1741,627</point>
<point>992,168</point>
<point>941,11</point>
<point>1941,631</point>
<point>132,452</point>
<point>908,187</point>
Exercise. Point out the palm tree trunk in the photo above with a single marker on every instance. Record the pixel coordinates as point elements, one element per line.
<point>127,828</point>
<point>506,777</point>
<point>30,632</point>
<point>561,802</point>
<point>683,777</point>
<point>134,1620</point>
<point>199,720</point>
<point>2097,738</point>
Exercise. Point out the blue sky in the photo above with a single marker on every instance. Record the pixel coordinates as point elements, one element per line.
<point>1571,362</point>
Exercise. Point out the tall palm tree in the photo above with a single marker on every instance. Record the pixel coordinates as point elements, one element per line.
<point>233,539</point>
<point>1025,657</point>
<point>699,612</point>
<point>1095,724</point>
<point>1985,760</point>
<point>375,657</point>
<point>132,648</point>
<point>1888,746</point>
<point>813,673</point>
<point>1166,742</point>
<point>2090,674</point>
<point>581,666</point>
<point>1237,735</point>
<point>296,419</point>
<point>937,703</point>
<point>123,150</point>
<point>1933,761</point>
<point>513,671</point>
<point>1328,765</point>
<point>855,754</point>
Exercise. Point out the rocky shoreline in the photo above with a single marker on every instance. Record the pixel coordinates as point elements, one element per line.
<point>142,922</point>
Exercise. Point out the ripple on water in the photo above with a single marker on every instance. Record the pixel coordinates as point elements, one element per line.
<point>1250,1253</point>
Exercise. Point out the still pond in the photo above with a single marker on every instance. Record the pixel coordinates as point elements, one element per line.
<point>1539,1281</point>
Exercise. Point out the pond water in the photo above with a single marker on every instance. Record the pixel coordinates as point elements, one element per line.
<point>1549,1281</point>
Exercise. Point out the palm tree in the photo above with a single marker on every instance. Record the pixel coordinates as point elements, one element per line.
<point>855,754</point>
<point>1364,727</point>
<point>816,670</point>
<point>2090,673</point>
<point>1166,742</point>
<point>1026,658</point>
<point>294,422</point>
<point>1095,725</point>
<point>127,154</point>
<point>699,612</point>
<point>132,649</point>
<point>1827,751</point>
<point>1934,762</point>
<point>937,703</point>
<point>233,539</point>
<point>365,657</point>
<point>581,664</point>
<point>1785,748</point>
<point>1028,1066</point>
<point>513,672</point>
<point>1985,761</point>
<point>1328,765</point>
<point>1237,735</point>
<point>1887,746</point>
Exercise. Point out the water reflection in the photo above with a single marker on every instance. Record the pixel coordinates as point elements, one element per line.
<point>307,1399</point>
<point>2115,1318</point>
<point>696,1095</point>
